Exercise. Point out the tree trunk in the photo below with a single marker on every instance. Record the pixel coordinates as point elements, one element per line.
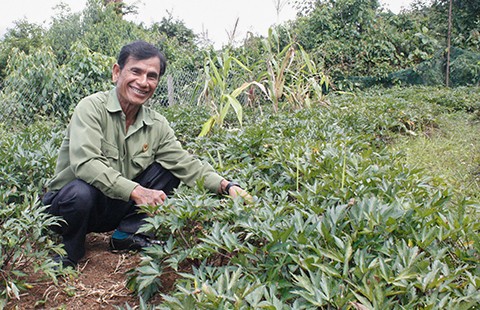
<point>449,35</point>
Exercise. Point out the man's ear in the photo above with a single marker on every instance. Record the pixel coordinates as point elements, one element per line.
<point>115,72</point>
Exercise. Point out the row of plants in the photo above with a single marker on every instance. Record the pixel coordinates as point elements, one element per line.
<point>339,221</point>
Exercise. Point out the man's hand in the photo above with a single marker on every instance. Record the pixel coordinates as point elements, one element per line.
<point>145,196</point>
<point>236,191</point>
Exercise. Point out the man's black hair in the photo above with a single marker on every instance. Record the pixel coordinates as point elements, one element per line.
<point>141,50</point>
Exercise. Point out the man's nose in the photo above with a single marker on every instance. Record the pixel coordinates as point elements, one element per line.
<point>142,80</point>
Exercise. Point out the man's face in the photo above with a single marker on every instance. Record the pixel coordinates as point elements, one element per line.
<point>137,81</point>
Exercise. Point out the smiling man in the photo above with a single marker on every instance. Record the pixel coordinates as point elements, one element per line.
<point>118,154</point>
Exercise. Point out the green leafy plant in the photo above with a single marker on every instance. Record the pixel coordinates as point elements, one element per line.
<point>24,246</point>
<point>28,155</point>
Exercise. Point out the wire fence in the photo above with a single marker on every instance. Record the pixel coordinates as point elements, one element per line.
<point>21,98</point>
<point>179,87</point>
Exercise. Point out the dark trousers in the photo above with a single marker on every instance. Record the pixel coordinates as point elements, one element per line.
<point>86,209</point>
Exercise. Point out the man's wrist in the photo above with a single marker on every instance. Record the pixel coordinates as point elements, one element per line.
<point>229,185</point>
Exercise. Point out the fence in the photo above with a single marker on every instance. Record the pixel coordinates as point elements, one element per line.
<point>464,70</point>
<point>21,99</point>
<point>179,87</point>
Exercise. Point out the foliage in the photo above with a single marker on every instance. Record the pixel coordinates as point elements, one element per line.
<point>351,37</point>
<point>28,159</point>
<point>37,85</point>
<point>24,36</point>
<point>340,221</point>
<point>358,38</point>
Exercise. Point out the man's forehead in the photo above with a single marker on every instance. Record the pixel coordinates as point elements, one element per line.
<point>148,62</point>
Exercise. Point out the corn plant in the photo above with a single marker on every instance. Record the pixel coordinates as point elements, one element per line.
<point>291,78</point>
<point>308,84</point>
<point>216,92</point>
<point>277,64</point>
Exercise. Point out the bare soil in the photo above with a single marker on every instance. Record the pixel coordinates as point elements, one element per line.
<point>100,283</point>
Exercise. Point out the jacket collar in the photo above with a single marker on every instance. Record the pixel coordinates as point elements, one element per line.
<point>113,106</point>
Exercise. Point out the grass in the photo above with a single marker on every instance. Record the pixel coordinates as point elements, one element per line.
<point>451,151</point>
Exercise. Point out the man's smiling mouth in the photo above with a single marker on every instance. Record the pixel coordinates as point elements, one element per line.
<point>138,91</point>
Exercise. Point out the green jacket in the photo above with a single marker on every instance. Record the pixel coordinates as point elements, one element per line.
<point>97,150</point>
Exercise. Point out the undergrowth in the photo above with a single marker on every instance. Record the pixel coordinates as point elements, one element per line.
<point>345,216</point>
<point>28,156</point>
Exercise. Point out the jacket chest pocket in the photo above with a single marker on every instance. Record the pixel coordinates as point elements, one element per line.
<point>110,151</point>
<point>143,160</point>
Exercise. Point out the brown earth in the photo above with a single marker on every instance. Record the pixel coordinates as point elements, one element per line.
<point>100,283</point>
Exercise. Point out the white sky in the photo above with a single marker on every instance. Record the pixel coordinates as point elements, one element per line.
<point>216,18</point>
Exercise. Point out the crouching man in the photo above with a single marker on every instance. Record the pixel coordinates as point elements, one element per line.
<point>118,154</point>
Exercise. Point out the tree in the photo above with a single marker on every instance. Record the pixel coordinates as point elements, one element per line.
<point>65,30</point>
<point>105,31</point>
<point>24,36</point>
<point>465,21</point>
<point>355,37</point>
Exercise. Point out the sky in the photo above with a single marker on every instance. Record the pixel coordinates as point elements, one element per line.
<point>213,18</point>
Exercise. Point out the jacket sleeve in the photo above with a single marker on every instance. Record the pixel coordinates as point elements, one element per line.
<point>181,163</point>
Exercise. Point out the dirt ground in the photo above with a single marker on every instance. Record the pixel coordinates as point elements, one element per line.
<point>100,284</point>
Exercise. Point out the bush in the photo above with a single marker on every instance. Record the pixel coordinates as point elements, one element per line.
<point>29,154</point>
<point>36,85</point>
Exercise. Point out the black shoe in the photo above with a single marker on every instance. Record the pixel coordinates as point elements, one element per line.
<point>132,243</point>
<point>64,262</point>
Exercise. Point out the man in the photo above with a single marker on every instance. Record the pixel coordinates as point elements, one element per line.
<point>118,154</point>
